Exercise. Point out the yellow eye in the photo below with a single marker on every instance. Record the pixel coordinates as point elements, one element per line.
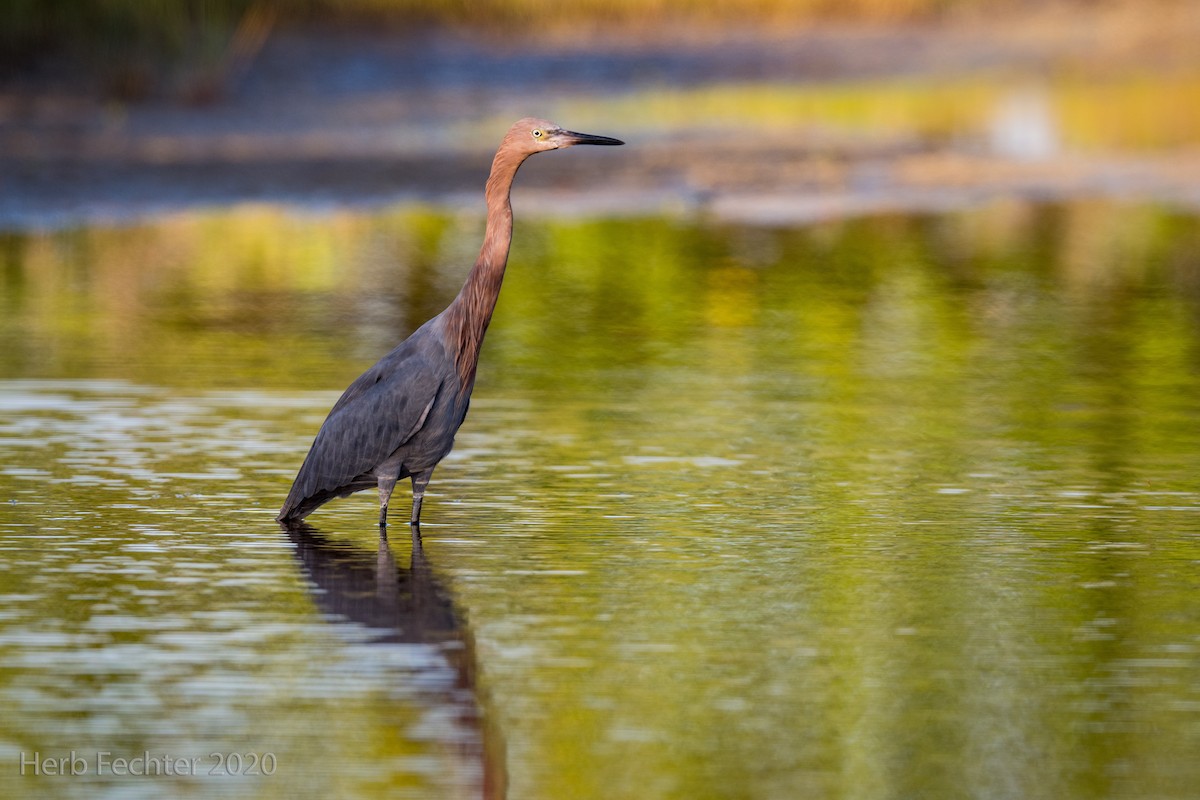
<point>537,133</point>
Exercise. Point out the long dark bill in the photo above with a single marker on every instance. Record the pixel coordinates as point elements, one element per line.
<point>588,138</point>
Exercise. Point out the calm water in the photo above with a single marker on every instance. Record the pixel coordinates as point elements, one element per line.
<point>890,508</point>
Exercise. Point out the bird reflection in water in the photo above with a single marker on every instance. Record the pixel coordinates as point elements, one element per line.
<point>406,607</point>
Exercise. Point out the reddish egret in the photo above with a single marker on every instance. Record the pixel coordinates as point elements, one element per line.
<point>398,419</point>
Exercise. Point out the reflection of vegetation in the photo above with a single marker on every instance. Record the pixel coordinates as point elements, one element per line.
<point>1034,323</point>
<point>139,300</point>
<point>895,505</point>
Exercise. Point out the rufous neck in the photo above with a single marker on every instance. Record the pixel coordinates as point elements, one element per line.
<point>471,311</point>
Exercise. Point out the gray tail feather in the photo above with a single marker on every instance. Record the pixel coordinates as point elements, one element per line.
<point>297,508</point>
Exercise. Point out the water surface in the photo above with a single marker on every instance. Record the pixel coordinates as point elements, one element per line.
<point>904,506</point>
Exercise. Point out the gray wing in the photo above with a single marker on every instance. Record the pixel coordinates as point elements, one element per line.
<point>380,411</point>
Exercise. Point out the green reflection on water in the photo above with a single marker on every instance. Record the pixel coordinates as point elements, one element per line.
<point>893,507</point>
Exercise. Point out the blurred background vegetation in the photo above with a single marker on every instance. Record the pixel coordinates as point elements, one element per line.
<point>125,37</point>
<point>914,104</point>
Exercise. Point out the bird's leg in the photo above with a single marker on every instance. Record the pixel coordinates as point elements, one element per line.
<point>419,482</point>
<point>386,485</point>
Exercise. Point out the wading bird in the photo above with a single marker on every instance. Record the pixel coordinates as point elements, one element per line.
<point>398,419</point>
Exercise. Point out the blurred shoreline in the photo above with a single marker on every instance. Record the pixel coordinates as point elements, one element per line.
<point>347,118</point>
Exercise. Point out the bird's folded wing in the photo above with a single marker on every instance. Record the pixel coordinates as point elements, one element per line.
<point>385,407</point>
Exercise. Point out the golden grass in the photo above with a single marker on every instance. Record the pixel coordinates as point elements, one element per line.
<point>1115,113</point>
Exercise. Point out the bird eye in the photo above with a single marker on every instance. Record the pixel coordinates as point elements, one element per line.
<point>537,133</point>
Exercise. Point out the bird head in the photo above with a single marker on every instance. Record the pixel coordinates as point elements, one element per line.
<point>531,135</point>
